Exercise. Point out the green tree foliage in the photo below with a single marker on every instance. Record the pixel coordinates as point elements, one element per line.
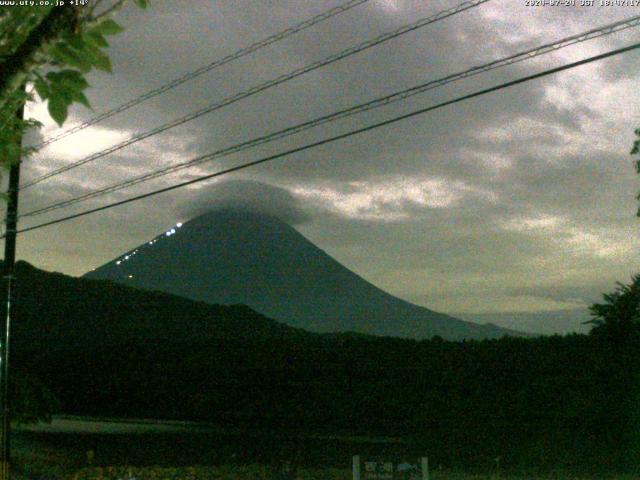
<point>617,328</point>
<point>545,403</point>
<point>619,316</point>
<point>635,151</point>
<point>51,48</point>
<point>31,399</point>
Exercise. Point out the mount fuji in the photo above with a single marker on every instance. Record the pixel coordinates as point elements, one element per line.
<point>237,257</point>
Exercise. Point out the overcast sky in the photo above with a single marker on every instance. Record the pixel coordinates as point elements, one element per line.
<point>522,200</point>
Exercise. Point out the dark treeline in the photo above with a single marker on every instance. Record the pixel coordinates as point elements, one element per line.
<point>544,403</point>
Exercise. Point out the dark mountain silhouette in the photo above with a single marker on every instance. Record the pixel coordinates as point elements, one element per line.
<point>58,311</point>
<point>236,257</point>
<point>554,322</point>
<point>106,349</point>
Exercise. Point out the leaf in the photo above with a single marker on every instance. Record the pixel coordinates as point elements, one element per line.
<point>62,91</point>
<point>75,41</point>
<point>68,85</point>
<point>82,99</point>
<point>69,56</point>
<point>13,151</point>
<point>142,3</point>
<point>32,123</point>
<point>95,39</point>
<point>98,58</point>
<point>42,88</point>
<point>107,27</point>
<point>58,109</point>
<point>71,78</point>
<point>28,151</point>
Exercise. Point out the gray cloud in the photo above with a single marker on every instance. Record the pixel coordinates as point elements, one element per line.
<point>518,200</point>
<point>247,195</point>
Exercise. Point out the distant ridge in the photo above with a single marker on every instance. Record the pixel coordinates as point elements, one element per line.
<point>63,311</point>
<point>237,257</point>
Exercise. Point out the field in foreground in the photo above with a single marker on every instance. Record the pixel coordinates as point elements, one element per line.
<point>47,458</point>
<point>261,472</point>
<point>150,449</point>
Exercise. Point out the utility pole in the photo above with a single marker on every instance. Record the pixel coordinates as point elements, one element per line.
<point>9,277</point>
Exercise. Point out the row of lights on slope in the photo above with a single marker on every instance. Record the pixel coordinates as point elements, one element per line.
<point>168,233</point>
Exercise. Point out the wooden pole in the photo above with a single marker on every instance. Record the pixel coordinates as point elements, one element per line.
<point>424,464</point>
<point>9,277</point>
<point>356,467</point>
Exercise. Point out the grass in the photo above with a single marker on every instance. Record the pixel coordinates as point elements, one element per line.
<point>261,472</point>
<point>181,457</point>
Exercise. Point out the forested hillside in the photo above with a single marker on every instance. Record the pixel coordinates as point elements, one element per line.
<point>550,402</point>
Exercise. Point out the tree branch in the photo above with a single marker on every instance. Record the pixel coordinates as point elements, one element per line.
<point>15,69</point>
<point>116,6</point>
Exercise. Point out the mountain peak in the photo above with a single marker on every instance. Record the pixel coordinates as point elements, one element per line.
<point>236,256</point>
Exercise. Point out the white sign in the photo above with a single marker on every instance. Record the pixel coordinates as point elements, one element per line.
<point>377,469</point>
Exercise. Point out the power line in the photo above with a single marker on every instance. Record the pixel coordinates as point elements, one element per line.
<point>207,68</point>
<point>386,100</point>
<point>264,86</point>
<point>338,137</point>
